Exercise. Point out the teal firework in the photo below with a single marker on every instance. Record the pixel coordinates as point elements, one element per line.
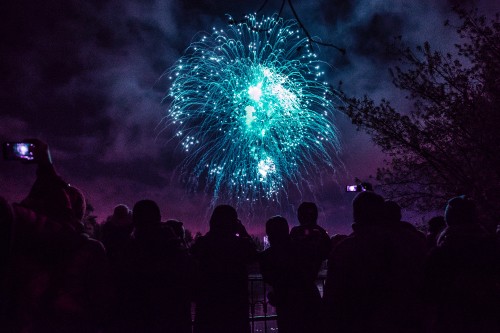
<point>251,110</point>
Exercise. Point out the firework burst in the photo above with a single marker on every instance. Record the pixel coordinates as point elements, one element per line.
<point>251,111</point>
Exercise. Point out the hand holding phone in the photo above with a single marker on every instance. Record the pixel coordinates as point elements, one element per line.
<point>19,151</point>
<point>361,187</point>
<point>29,150</point>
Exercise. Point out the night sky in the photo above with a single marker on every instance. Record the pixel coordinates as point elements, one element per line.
<point>86,77</point>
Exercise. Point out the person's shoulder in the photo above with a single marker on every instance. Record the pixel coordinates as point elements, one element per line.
<point>351,244</point>
<point>199,245</point>
<point>319,228</point>
<point>108,226</point>
<point>346,250</point>
<point>296,229</point>
<point>246,245</point>
<point>92,245</point>
<point>348,240</point>
<point>320,231</point>
<point>408,227</point>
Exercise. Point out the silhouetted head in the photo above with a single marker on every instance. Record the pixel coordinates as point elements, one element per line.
<point>121,211</point>
<point>61,202</point>
<point>122,216</point>
<point>177,227</point>
<point>146,213</point>
<point>460,210</point>
<point>224,219</point>
<point>307,213</point>
<point>368,208</point>
<point>337,238</point>
<point>277,230</point>
<point>392,211</point>
<point>436,224</point>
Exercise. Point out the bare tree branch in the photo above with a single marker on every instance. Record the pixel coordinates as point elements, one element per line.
<point>301,25</point>
<point>309,37</point>
<point>445,144</point>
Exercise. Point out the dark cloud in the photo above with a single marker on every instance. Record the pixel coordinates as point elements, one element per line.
<point>337,11</point>
<point>375,37</point>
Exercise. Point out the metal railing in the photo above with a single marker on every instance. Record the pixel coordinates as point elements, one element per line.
<point>262,315</point>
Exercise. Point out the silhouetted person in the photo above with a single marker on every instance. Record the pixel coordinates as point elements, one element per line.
<point>436,226</point>
<point>222,293</point>
<point>393,218</point>
<point>57,276</point>
<point>463,273</point>
<point>154,278</point>
<point>179,231</point>
<point>115,232</point>
<point>374,275</point>
<point>288,271</point>
<point>312,239</point>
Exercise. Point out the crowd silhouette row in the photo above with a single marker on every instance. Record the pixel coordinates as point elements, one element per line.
<point>141,276</point>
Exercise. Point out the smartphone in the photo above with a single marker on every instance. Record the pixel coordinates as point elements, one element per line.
<point>18,151</point>
<point>354,188</point>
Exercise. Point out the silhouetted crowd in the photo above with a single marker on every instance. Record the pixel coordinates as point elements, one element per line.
<point>142,276</point>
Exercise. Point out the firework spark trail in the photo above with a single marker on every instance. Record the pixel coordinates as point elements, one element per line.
<point>250,110</point>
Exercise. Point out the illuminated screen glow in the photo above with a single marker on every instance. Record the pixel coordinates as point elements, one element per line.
<point>251,111</point>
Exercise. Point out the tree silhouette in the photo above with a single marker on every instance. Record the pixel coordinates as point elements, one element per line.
<point>446,143</point>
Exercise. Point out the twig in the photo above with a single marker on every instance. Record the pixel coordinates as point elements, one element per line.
<point>310,39</point>
<point>308,35</point>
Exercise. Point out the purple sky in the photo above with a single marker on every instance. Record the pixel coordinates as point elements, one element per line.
<point>84,76</point>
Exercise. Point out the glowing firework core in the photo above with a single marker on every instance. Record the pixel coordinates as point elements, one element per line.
<point>250,109</point>
<point>255,92</point>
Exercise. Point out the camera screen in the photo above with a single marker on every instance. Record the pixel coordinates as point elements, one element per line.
<point>352,188</point>
<point>18,151</point>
